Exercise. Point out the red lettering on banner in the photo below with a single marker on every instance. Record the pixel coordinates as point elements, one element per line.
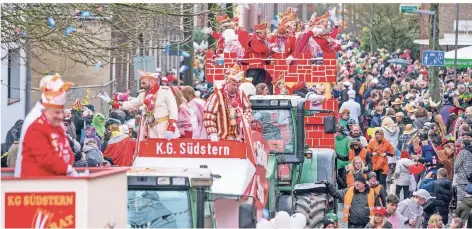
<point>192,148</point>
<point>40,210</point>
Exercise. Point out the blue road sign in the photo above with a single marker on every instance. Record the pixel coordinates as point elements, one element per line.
<point>144,63</point>
<point>433,58</point>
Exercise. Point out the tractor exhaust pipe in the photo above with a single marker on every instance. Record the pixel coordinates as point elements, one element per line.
<point>301,131</point>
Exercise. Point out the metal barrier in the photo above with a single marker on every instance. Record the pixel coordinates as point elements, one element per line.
<point>78,92</point>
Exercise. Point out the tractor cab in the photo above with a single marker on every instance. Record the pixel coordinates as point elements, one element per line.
<point>295,171</point>
<point>169,198</point>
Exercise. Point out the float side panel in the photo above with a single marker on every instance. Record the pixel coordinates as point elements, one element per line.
<point>43,186</point>
<point>109,207</point>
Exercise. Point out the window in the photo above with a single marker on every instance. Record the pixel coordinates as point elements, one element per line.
<point>277,129</point>
<point>159,209</point>
<point>14,63</point>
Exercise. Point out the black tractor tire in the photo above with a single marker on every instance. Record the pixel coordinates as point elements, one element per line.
<point>313,206</point>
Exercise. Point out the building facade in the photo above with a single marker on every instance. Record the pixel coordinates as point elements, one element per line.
<point>12,89</point>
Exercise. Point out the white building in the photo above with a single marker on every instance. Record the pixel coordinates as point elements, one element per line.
<point>12,89</point>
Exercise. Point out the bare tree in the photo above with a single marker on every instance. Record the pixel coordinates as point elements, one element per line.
<point>101,31</point>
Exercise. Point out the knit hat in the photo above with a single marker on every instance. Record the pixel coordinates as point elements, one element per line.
<point>327,222</point>
<point>404,154</point>
<point>360,178</point>
<point>380,211</point>
<point>351,94</point>
<point>371,174</point>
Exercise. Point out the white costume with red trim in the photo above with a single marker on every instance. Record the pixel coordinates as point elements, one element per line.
<point>161,111</point>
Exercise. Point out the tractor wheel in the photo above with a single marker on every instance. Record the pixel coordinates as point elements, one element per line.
<point>313,206</point>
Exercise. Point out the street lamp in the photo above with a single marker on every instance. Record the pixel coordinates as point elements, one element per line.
<point>431,13</point>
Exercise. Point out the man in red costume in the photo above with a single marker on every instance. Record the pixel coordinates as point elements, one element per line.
<point>258,43</point>
<point>160,114</point>
<point>282,41</point>
<point>44,148</point>
<point>320,38</point>
<point>120,147</point>
<point>225,108</point>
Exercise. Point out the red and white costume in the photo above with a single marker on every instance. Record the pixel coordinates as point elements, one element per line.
<point>283,41</point>
<point>44,149</point>
<point>161,112</point>
<point>257,44</point>
<point>222,20</point>
<point>223,113</point>
<point>319,39</point>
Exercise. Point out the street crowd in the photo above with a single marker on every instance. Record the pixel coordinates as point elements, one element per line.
<point>403,160</point>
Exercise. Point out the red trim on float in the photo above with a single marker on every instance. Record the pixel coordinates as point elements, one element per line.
<point>94,173</point>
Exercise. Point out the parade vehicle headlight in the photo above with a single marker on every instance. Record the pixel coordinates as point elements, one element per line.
<point>202,182</point>
<point>283,102</point>
<point>179,181</point>
<point>274,102</point>
<point>163,181</point>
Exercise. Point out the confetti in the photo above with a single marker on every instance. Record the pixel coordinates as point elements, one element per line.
<point>98,66</point>
<point>51,22</point>
<point>17,30</point>
<point>69,30</point>
<point>85,14</point>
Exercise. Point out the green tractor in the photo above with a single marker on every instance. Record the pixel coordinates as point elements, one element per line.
<point>294,171</point>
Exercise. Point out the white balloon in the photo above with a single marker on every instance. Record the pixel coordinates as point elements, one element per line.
<point>263,223</point>
<point>282,220</point>
<point>272,222</point>
<point>297,221</point>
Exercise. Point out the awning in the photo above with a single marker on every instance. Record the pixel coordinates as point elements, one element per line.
<point>449,39</point>
<point>444,42</point>
<point>464,57</point>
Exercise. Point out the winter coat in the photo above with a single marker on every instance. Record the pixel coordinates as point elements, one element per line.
<point>341,146</point>
<point>402,172</point>
<point>462,167</point>
<point>359,212</point>
<point>354,108</point>
<point>442,190</point>
<point>410,210</point>
<point>380,162</point>
<point>13,134</point>
<point>419,122</point>
<point>93,155</point>
<point>387,225</point>
<point>376,121</point>
<point>464,208</point>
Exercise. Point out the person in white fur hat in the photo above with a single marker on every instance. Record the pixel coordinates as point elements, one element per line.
<point>232,44</point>
<point>44,148</point>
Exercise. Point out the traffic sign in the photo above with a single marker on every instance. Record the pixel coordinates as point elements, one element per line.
<point>144,63</point>
<point>408,8</point>
<point>433,58</point>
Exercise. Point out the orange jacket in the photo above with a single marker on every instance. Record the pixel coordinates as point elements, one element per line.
<point>362,155</point>
<point>348,200</point>
<point>380,162</point>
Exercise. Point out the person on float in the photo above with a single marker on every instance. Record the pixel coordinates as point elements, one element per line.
<point>243,35</point>
<point>199,132</point>
<point>225,108</point>
<point>184,118</point>
<point>321,38</point>
<point>161,111</point>
<point>232,44</point>
<point>44,148</point>
<point>282,41</point>
<point>120,147</point>
<point>224,24</point>
<point>258,42</point>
